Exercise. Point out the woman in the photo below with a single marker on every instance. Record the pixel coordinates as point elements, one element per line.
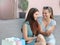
<point>31,28</point>
<point>48,24</point>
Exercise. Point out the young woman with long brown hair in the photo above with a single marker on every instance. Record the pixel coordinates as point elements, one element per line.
<point>31,28</point>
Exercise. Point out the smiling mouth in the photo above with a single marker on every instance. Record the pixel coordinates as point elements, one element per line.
<point>44,16</point>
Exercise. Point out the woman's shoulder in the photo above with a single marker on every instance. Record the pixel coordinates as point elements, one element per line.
<point>26,23</point>
<point>53,22</point>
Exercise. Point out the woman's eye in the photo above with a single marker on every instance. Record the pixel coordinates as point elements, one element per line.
<point>36,14</point>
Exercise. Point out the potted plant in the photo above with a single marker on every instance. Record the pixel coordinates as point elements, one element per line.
<point>23,4</point>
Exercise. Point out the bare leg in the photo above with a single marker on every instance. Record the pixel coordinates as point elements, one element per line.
<point>50,44</point>
<point>40,40</point>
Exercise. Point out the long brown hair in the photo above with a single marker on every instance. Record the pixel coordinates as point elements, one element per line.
<point>50,10</point>
<point>33,23</point>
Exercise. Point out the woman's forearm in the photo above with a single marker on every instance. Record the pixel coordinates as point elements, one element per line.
<point>30,38</point>
<point>45,33</point>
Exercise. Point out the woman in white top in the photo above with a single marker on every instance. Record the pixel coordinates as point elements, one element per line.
<point>48,25</point>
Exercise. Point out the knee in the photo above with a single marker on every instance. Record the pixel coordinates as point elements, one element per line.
<point>41,38</point>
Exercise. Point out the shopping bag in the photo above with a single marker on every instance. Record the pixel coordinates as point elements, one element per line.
<point>13,41</point>
<point>5,42</point>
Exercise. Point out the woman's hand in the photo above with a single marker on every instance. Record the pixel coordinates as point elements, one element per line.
<point>29,41</point>
<point>32,38</point>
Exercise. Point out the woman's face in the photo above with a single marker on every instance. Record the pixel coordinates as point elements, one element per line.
<point>36,15</point>
<point>46,14</point>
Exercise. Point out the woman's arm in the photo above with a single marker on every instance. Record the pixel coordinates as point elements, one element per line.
<point>48,32</point>
<point>42,32</point>
<point>25,34</point>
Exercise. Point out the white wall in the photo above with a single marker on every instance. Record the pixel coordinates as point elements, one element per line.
<point>40,3</point>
